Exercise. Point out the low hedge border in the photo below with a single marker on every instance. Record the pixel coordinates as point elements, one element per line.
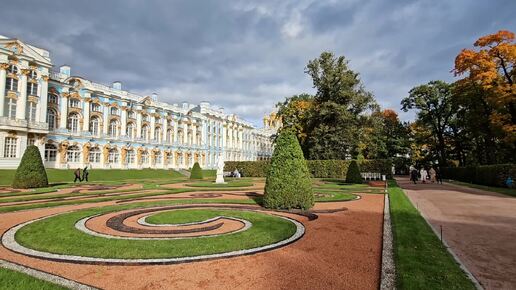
<point>488,175</point>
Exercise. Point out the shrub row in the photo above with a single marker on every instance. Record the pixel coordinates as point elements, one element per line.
<point>317,168</point>
<point>489,175</point>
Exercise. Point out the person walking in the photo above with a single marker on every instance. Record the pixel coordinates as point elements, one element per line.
<point>432,174</point>
<point>413,174</point>
<point>438,175</point>
<point>424,174</point>
<point>77,173</point>
<point>85,174</point>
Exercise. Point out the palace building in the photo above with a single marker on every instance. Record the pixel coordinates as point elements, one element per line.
<point>76,122</point>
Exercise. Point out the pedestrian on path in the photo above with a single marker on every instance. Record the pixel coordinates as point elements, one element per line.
<point>413,174</point>
<point>424,174</point>
<point>438,175</point>
<point>432,174</point>
<point>77,173</point>
<point>85,174</point>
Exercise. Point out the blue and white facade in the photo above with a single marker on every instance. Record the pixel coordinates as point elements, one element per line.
<point>76,122</point>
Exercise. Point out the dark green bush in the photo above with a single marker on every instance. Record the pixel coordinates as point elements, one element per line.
<point>489,175</point>
<point>248,168</point>
<point>196,172</point>
<point>353,174</point>
<point>31,171</point>
<point>288,184</point>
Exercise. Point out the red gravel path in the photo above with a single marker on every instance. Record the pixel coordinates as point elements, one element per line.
<point>479,226</point>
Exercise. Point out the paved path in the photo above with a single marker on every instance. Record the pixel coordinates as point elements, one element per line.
<point>479,226</point>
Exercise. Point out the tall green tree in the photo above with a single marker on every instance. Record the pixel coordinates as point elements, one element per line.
<point>435,110</point>
<point>339,109</point>
<point>295,113</point>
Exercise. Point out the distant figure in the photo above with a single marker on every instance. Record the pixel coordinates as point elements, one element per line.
<point>236,173</point>
<point>85,174</point>
<point>432,174</point>
<point>509,182</point>
<point>413,174</point>
<point>77,173</point>
<point>424,174</point>
<point>438,175</point>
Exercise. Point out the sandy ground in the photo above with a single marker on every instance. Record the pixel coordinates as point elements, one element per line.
<point>340,250</point>
<point>479,226</point>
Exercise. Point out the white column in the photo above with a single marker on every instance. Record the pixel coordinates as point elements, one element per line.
<point>3,67</point>
<point>86,110</point>
<point>164,135</point>
<point>21,104</point>
<point>223,133</point>
<point>123,118</point>
<point>194,133</point>
<point>138,125</point>
<point>152,125</point>
<point>106,119</point>
<point>63,110</point>
<point>175,131</point>
<point>43,102</point>
<point>185,133</point>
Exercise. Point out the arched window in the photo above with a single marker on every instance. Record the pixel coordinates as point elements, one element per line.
<point>131,115</point>
<point>13,69</point>
<point>74,103</point>
<point>50,152</point>
<point>145,132</point>
<point>170,136</point>
<point>113,156</point>
<point>114,111</point>
<point>73,154</point>
<point>33,74</point>
<point>94,126</point>
<point>94,156</point>
<point>158,158</point>
<point>96,107</point>
<point>130,157</point>
<point>157,134</point>
<point>113,128</point>
<point>53,99</point>
<point>73,123</point>
<point>51,119</point>
<point>129,130</point>
<point>145,157</point>
<point>180,136</point>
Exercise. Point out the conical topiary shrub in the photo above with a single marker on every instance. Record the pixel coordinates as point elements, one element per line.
<point>31,171</point>
<point>196,172</point>
<point>288,184</point>
<point>353,174</point>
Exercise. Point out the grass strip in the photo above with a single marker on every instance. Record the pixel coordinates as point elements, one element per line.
<point>422,262</point>
<point>10,279</point>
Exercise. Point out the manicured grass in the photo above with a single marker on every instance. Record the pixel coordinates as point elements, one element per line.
<point>502,190</point>
<point>58,235</point>
<point>211,184</point>
<point>421,260</point>
<point>209,173</point>
<point>10,279</point>
<point>66,175</point>
<point>333,195</point>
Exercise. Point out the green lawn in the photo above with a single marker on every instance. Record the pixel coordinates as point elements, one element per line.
<point>10,279</point>
<point>58,235</point>
<point>209,173</point>
<point>502,190</point>
<point>421,260</point>
<point>96,175</point>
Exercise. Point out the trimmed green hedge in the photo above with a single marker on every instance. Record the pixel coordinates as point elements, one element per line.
<point>489,175</point>
<point>353,175</point>
<point>317,168</point>
<point>31,171</point>
<point>196,172</point>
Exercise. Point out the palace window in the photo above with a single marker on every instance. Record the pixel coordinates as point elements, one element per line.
<point>32,89</point>
<point>145,157</point>
<point>131,115</point>
<point>73,154</point>
<point>74,103</point>
<point>50,152</point>
<point>11,84</point>
<point>158,157</point>
<point>94,156</point>
<point>113,156</point>
<point>145,118</point>
<point>11,108</point>
<point>129,130</point>
<point>180,136</point>
<point>10,147</point>
<point>51,119</point>
<point>145,132</point>
<point>94,126</point>
<point>32,111</point>
<point>114,111</point>
<point>113,128</point>
<point>170,159</point>
<point>130,157</point>
<point>13,69</point>
<point>73,123</point>
<point>96,107</point>
<point>52,98</point>
<point>157,134</point>
<point>33,74</point>
<point>31,141</point>
<point>169,136</point>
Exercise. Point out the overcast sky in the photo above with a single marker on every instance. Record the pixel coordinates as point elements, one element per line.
<point>248,55</point>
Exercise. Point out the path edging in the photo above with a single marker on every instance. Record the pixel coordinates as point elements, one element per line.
<point>388,275</point>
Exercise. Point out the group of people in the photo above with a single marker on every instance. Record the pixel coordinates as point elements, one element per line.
<point>84,176</point>
<point>433,175</point>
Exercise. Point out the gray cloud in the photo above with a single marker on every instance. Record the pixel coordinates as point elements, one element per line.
<point>247,56</point>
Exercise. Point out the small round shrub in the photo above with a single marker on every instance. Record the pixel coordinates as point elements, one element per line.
<point>31,172</point>
<point>196,172</point>
<point>353,174</point>
<point>288,184</point>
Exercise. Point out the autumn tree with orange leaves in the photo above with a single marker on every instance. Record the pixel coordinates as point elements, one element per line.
<point>492,67</point>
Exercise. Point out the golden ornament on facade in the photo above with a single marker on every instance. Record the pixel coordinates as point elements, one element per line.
<point>86,152</point>
<point>12,95</point>
<point>25,71</point>
<point>4,66</point>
